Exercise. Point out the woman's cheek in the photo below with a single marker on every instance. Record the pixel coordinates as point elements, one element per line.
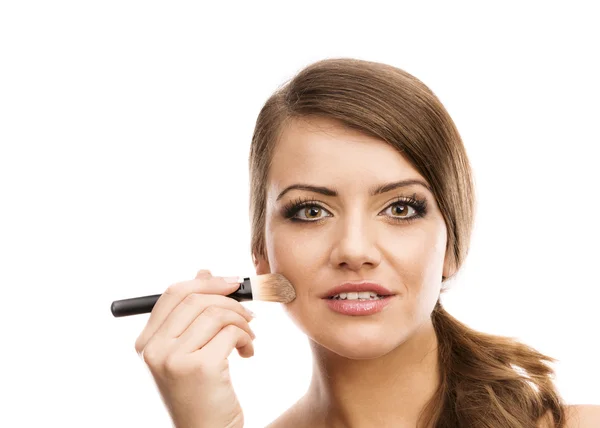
<point>295,250</point>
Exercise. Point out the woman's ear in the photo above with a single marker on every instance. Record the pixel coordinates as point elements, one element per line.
<point>261,265</point>
<point>449,265</point>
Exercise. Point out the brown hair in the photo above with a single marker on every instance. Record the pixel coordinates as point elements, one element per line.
<point>486,380</point>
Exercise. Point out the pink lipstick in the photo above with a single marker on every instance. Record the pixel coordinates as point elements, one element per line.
<point>358,307</point>
<point>344,298</point>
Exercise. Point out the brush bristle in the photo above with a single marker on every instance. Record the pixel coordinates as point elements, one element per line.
<point>272,287</point>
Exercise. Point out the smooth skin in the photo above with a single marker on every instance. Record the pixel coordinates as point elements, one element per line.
<point>191,331</point>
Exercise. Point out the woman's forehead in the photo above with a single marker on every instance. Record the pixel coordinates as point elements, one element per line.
<point>327,151</point>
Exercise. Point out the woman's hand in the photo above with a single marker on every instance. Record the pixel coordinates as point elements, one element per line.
<point>191,331</point>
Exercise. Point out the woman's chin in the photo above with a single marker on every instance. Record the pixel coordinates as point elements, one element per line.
<point>356,348</point>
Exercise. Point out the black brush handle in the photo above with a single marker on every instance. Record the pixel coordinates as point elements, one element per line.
<point>134,306</point>
<point>144,304</point>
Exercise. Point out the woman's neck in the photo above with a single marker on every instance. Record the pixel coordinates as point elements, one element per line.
<point>389,391</point>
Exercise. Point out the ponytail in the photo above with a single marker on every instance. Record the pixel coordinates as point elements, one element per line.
<point>481,386</point>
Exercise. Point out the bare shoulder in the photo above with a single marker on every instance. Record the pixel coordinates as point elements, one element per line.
<point>287,421</point>
<point>281,422</point>
<point>583,416</point>
<point>300,415</point>
<point>290,418</point>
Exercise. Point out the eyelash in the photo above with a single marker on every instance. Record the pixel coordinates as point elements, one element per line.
<point>293,207</point>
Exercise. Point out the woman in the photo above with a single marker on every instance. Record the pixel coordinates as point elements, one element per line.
<point>358,175</point>
<point>347,127</point>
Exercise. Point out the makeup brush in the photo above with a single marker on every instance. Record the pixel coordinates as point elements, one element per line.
<point>271,287</point>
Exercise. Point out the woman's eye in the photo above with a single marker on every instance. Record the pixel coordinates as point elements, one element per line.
<point>400,210</point>
<point>310,212</point>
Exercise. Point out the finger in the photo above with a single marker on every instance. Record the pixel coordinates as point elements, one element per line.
<point>200,332</point>
<point>203,273</point>
<point>207,325</point>
<point>173,296</point>
<point>220,347</point>
<point>192,306</point>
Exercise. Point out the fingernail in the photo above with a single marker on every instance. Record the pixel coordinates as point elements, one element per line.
<point>233,279</point>
<point>252,314</point>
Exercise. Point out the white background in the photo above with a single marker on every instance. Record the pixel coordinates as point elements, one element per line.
<point>125,130</point>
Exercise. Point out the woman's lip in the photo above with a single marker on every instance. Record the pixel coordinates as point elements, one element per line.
<point>357,287</point>
<point>358,307</point>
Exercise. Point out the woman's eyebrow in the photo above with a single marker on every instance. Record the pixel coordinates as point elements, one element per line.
<point>374,191</point>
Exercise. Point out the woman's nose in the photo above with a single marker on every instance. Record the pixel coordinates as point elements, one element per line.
<point>355,246</point>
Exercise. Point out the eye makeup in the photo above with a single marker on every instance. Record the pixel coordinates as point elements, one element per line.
<point>418,204</point>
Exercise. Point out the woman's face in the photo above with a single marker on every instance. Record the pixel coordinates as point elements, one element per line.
<point>352,236</point>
